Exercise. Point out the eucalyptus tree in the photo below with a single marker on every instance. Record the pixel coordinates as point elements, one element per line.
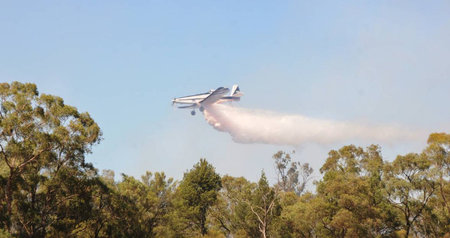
<point>350,198</point>
<point>438,152</point>
<point>264,204</point>
<point>292,175</point>
<point>418,187</point>
<point>232,214</point>
<point>45,181</point>
<point>246,209</point>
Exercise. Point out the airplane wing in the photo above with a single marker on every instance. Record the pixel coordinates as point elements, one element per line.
<point>215,96</point>
<point>189,106</point>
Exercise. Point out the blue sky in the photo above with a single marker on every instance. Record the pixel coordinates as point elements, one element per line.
<point>383,62</point>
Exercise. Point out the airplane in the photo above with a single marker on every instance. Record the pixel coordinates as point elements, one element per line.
<point>202,100</point>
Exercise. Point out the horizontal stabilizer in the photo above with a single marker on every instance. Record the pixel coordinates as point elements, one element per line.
<point>232,98</point>
<point>188,106</point>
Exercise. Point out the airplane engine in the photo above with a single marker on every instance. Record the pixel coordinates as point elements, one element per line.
<point>193,112</point>
<point>201,109</point>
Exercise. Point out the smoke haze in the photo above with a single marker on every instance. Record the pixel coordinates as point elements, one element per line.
<point>259,126</point>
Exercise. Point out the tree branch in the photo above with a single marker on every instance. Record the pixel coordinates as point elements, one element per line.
<point>6,157</point>
<point>34,157</point>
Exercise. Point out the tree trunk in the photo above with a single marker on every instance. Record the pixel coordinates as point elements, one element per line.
<point>203,225</point>
<point>9,198</point>
<point>408,227</point>
<point>262,229</point>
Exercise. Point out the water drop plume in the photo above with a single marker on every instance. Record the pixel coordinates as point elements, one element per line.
<point>260,126</point>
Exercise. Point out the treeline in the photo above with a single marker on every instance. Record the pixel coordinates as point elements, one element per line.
<point>48,190</point>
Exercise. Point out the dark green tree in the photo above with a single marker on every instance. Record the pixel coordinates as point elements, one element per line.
<point>104,217</point>
<point>198,192</point>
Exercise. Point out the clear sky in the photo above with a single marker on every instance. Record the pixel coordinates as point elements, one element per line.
<point>383,62</point>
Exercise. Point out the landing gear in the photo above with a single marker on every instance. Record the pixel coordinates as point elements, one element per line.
<point>201,109</point>
<point>193,112</point>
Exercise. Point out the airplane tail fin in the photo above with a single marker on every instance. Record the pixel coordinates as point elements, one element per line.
<point>235,90</point>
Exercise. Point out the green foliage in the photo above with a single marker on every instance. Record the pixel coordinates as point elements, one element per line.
<point>437,217</point>
<point>45,182</point>
<point>292,175</point>
<point>246,209</point>
<point>198,192</point>
<point>418,187</point>
<point>232,214</point>
<point>264,204</point>
<point>4,234</point>
<point>350,196</point>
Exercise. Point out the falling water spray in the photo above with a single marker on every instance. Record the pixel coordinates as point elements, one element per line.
<point>259,126</point>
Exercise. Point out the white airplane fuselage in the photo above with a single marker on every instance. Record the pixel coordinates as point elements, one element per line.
<point>204,99</point>
<point>192,98</point>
